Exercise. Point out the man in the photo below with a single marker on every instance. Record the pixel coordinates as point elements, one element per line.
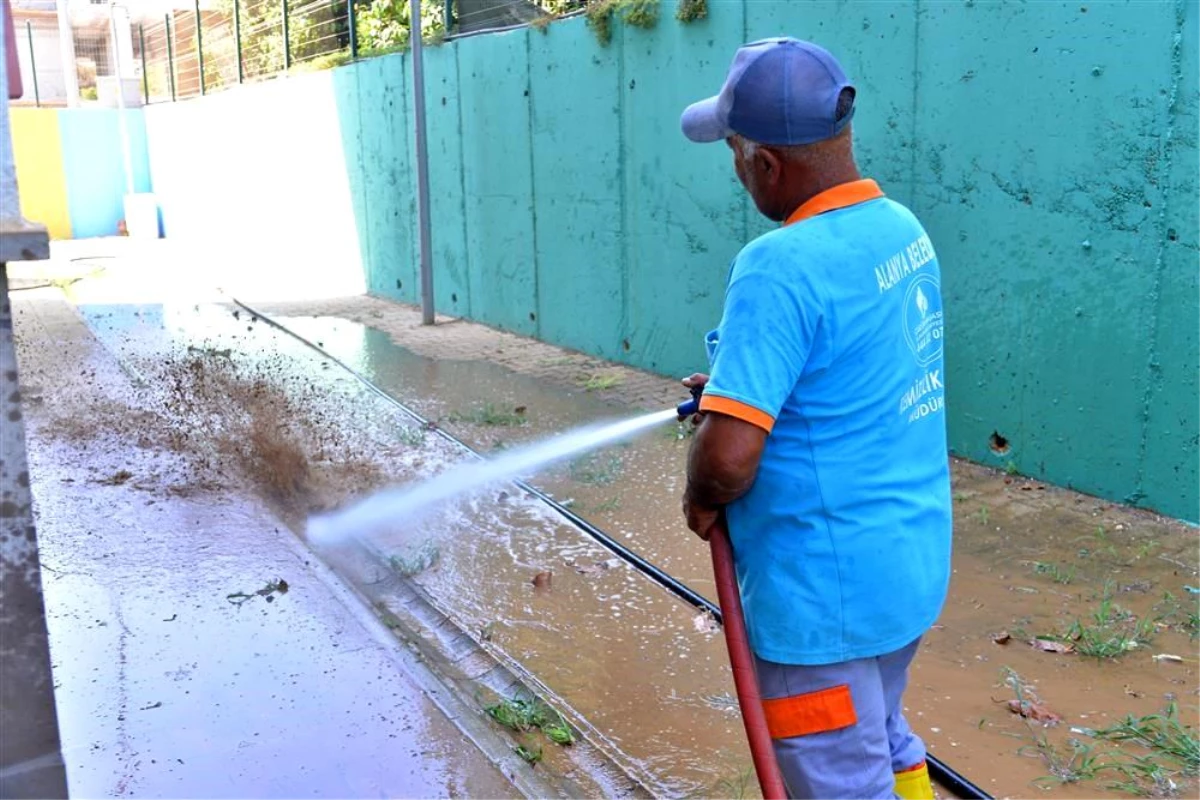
<point>823,441</point>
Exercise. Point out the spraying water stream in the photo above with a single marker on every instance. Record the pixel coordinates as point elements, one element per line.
<point>383,509</point>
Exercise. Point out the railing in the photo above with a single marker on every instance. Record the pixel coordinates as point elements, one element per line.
<point>195,51</point>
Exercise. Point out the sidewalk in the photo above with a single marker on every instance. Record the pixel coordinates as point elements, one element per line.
<point>166,684</point>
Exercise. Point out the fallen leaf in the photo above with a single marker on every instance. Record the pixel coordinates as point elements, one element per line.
<point>1132,692</point>
<point>1034,711</point>
<point>1003,637</point>
<point>1051,646</point>
<point>542,580</point>
<point>1168,657</point>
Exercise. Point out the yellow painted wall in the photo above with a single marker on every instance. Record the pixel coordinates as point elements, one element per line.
<point>37,153</point>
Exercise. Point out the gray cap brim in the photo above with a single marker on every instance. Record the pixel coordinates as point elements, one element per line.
<point>701,122</point>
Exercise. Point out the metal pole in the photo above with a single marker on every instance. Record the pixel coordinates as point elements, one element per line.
<point>353,24</point>
<point>237,38</point>
<point>287,45</point>
<point>414,37</point>
<point>200,45</point>
<point>448,19</point>
<point>170,55</point>
<point>37,97</point>
<point>145,72</point>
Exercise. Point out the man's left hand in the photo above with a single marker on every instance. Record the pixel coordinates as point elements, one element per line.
<point>700,519</point>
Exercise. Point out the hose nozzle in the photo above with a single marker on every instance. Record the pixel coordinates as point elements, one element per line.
<point>691,407</point>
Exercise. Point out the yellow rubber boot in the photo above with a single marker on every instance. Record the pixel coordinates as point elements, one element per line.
<point>913,784</point>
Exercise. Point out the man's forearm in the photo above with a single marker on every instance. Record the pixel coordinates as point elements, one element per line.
<point>720,468</point>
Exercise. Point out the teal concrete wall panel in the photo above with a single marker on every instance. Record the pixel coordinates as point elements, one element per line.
<point>686,216</point>
<point>577,169</point>
<point>875,43</point>
<point>1170,474</point>
<point>451,285</point>
<point>346,93</point>
<point>388,182</point>
<point>95,167</point>
<point>1045,233</point>
<point>497,169</point>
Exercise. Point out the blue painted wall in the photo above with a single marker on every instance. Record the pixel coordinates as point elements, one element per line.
<point>95,168</point>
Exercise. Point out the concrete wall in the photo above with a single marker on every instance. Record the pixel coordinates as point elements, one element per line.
<point>71,168</point>
<point>1050,148</point>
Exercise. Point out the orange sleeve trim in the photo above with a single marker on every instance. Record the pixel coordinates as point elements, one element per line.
<point>805,714</point>
<point>738,410</point>
<point>840,196</point>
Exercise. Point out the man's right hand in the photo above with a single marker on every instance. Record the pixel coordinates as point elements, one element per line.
<point>696,379</point>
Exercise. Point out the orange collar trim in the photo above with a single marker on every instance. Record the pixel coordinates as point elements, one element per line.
<point>840,196</point>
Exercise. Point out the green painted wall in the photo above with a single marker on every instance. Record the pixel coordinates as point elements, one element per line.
<point>1050,148</point>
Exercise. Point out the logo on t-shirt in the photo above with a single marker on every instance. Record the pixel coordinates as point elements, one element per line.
<point>923,319</point>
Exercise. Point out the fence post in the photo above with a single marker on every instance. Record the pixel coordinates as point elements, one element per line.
<point>200,45</point>
<point>170,54</point>
<point>287,44</point>
<point>448,18</point>
<point>37,97</point>
<point>237,37</point>
<point>353,23</point>
<point>145,72</point>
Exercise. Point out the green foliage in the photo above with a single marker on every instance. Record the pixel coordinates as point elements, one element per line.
<point>490,415</point>
<point>600,15</point>
<point>1111,632</point>
<point>691,10</point>
<point>522,715</point>
<point>383,25</point>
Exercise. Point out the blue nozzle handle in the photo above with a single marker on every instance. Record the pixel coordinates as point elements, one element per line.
<point>690,407</point>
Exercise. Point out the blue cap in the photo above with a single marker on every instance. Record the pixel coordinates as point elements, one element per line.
<point>778,91</point>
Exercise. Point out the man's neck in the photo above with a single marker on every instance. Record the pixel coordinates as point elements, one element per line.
<point>822,184</point>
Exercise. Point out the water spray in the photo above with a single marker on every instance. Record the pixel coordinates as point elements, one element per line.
<point>737,643</point>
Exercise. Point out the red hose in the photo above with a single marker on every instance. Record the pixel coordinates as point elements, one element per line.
<point>742,663</point>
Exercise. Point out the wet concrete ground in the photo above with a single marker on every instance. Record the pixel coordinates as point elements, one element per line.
<point>180,672</point>
<point>646,676</point>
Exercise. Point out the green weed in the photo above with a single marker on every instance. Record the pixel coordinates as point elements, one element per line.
<point>680,431</point>
<point>599,383</point>
<point>531,753</point>
<point>600,15</point>
<point>596,470</point>
<point>1111,632</point>
<point>1011,468</point>
<point>523,715</point>
<point>737,787</point>
<point>984,515</point>
<point>416,561</point>
<point>489,415</point>
<point>1056,573</point>
<point>691,10</point>
<point>1161,734</point>
<point>412,436</point>
<point>1082,763</point>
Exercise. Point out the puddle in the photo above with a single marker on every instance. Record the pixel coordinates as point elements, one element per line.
<point>1029,561</point>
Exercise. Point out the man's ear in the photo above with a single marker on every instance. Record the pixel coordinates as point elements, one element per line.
<point>769,164</point>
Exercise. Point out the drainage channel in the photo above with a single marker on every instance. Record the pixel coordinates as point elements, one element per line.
<point>940,771</point>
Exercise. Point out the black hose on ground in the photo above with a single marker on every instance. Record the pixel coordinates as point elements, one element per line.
<point>938,769</point>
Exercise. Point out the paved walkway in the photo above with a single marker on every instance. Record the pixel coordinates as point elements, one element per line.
<point>167,686</point>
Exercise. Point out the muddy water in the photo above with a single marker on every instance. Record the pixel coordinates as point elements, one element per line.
<point>1030,561</point>
<point>621,652</point>
<point>628,657</point>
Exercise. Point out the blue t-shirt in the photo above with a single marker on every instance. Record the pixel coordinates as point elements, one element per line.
<point>831,339</point>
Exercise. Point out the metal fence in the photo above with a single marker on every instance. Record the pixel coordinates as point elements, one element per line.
<point>194,51</point>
